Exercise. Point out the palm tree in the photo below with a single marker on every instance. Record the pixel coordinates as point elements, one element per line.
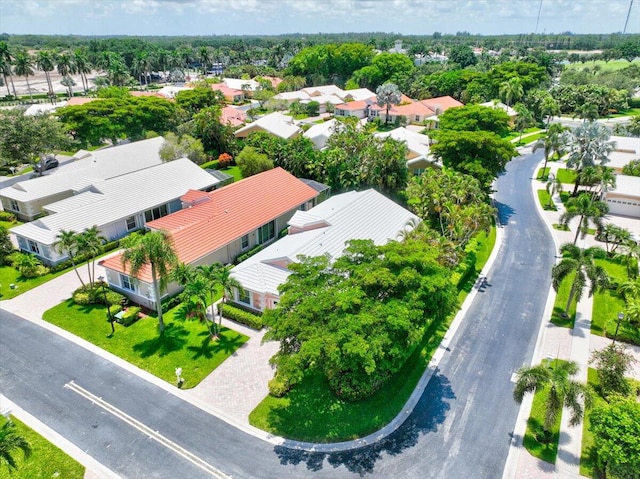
<point>581,263</point>
<point>118,74</point>
<point>589,210</point>
<point>563,391</point>
<point>66,67</point>
<point>588,145</point>
<point>6,59</point>
<point>549,109</point>
<point>204,55</point>
<point>67,242</point>
<point>551,143</point>
<point>23,66</point>
<point>90,244</point>
<point>45,61</point>
<point>388,95</point>
<point>524,119</point>
<point>553,187</point>
<point>511,90</point>
<point>155,249</point>
<point>83,67</point>
<point>228,284</point>
<point>11,441</point>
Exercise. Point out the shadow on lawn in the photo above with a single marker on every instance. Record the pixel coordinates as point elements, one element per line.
<point>173,338</point>
<point>209,347</point>
<point>428,414</point>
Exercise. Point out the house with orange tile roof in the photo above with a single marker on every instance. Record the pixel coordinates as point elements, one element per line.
<point>232,116</point>
<point>360,109</point>
<point>216,227</point>
<point>411,111</point>
<point>232,95</point>
<point>441,104</point>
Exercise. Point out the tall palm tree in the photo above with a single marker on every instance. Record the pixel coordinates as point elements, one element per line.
<point>45,61</point>
<point>212,276</point>
<point>553,187</point>
<point>228,284</point>
<point>549,109</point>
<point>581,263</point>
<point>204,55</point>
<point>589,145</point>
<point>511,90</point>
<point>66,67</point>
<point>552,143</point>
<point>67,242</point>
<point>156,250</point>
<point>5,68</point>
<point>90,244</point>
<point>10,442</point>
<point>563,391</point>
<point>6,59</point>
<point>589,211</point>
<point>83,67</point>
<point>23,66</point>
<point>388,95</point>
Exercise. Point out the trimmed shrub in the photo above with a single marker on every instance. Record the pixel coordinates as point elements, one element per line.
<point>114,309</point>
<point>241,316</point>
<point>130,316</point>
<point>7,216</point>
<point>278,387</point>
<point>116,299</point>
<point>81,298</point>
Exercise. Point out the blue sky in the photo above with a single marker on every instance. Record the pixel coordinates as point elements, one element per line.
<point>246,17</point>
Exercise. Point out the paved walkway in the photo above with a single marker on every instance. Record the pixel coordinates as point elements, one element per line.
<point>575,344</point>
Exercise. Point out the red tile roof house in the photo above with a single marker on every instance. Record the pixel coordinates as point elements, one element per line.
<point>216,227</point>
<point>230,94</point>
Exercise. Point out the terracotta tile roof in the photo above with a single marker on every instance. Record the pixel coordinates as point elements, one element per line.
<point>353,105</point>
<point>414,108</point>
<point>228,93</point>
<point>230,213</point>
<point>441,102</point>
<point>232,116</point>
<point>193,195</point>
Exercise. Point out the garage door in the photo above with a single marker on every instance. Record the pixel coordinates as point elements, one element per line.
<point>625,207</point>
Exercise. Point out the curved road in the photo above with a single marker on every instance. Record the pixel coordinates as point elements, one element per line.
<point>460,428</point>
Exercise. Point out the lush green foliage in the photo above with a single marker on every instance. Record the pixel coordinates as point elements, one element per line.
<point>184,146</point>
<point>632,168</point>
<point>475,118</point>
<point>613,363</point>
<point>390,293</point>
<point>251,162</point>
<point>243,317</point>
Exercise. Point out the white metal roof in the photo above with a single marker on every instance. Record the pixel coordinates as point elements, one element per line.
<point>238,83</point>
<point>359,94</point>
<point>118,198</point>
<point>101,164</point>
<point>627,185</point>
<point>275,123</point>
<point>292,95</point>
<point>416,142</point>
<point>352,215</point>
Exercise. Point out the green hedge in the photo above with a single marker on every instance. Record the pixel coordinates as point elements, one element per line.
<point>130,316</point>
<point>210,165</point>
<point>244,256</point>
<point>110,246</point>
<point>234,313</point>
<point>7,216</point>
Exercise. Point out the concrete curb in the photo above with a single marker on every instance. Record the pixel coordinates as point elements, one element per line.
<point>95,468</point>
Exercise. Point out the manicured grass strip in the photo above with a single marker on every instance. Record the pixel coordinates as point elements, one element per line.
<point>562,297</point>
<point>608,303</point>
<point>548,450</point>
<point>311,412</point>
<point>10,275</point>
<point>184,344</point>
<point>544,199</point>
<point>46,460</point>
<point>566,176</point>
<point>543,173</point>
<point>561,227</point>
<point>588,455</point>
<point>527,140</point>
<point>612,65</point>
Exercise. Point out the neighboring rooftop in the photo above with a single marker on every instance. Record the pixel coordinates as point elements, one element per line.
<point>275,123</point>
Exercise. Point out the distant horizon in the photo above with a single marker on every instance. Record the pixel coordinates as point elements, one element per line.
<point>192,18</point>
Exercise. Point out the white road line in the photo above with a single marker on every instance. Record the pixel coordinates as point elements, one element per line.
<point>155,435</point>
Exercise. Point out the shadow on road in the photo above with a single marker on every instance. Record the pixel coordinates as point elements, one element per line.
<point>505,212</point>
<point>430,412</point>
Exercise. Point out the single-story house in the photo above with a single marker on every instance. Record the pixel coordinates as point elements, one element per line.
<point>274,123</point>
<point>321,230</point>
<point>230,94</point>
<point>418,145</point>
<point>499,105</point>
<point>320,133</point>
<point>441,104</point>
<point>359,108</point>
<point>624,199</point>
<point>626,149</point>
<point>117,206</point>
<point>324,90</point>
<point>232,116</point>
<point>248,86</point>
<point>216,227</point>
<point>27,199</point>
<point>412,112</point>
<point>357,94</point>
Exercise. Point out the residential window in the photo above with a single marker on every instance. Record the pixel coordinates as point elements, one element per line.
<point>267,232</point>
<point>417,117</point>
<point>245,241</point>
<point>33,247</point>
<point>131,223</point>
<point>127,282</point>
<point>155,213</point>
<point>244,296</point>
<point>14,205</point>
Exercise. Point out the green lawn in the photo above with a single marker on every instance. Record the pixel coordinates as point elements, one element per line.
<point>543,198</point>
<point>566,176</point>
<point>562,297</point>
<point>10,275</point>
<point>46,461</point>
<point>605,66</point>
<point>234,171</point>
<point>547,451</point>
<point>184,344</point>
<point>588,455</point>
<point>608,303</point>
<point>543,173</point>
<point>514,135</point>
<point>526,140</point>
<point>310,411</point>
<point>628,112</point>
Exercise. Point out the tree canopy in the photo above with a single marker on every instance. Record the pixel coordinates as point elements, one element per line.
<point>475,118</point>
<point>357,320</point>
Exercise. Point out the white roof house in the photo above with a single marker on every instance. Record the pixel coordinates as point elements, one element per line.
<point>501,106</point>
<point>324,90</point>
<point>238,83</point>
<point>28,198</point>
<point>117,205</point>
<point>320,133</point>
<point>626,149</point>
<point>419,156</point>
<point>323,229</point>
<point>292,96</point>
<point>274,123</point>
<point>624,199</point>
<point>358,94</point>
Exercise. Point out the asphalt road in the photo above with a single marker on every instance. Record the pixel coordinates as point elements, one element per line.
<point>460,428</point>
